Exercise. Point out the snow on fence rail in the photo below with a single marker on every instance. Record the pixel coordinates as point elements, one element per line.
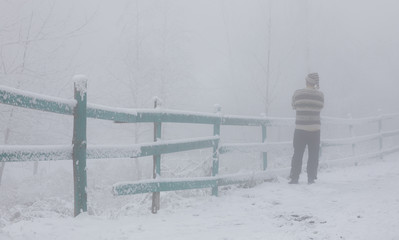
<point>79,151</point>
<point>10,153</point>
<point>30,100</point>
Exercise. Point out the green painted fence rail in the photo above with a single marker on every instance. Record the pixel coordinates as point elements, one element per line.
<point>34,101</point>
<point>79,151</point>
<point>123,115</point>
<point>161,185</point>
<point>149,149</point>
<point>64,152</point>
<point>9,153</point>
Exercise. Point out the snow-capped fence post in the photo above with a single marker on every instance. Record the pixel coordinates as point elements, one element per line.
<point>80,145</point>
<point>264,136</point>
<point>156,196</point>
<point>215,155</point>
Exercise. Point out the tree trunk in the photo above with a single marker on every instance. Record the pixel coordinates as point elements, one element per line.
<point>269,52</point>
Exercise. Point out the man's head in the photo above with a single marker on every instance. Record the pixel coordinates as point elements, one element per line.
<point>312,80</point>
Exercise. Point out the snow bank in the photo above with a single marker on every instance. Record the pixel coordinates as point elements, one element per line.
<point>357,202</point>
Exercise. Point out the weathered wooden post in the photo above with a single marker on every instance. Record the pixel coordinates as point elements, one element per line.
<point>264,154</point>
<point>79,145</point>
<point>380,136</point>
<point>352,133</point>
<point>156,196</point>
<point>264,136</point>
<point>215,155</point>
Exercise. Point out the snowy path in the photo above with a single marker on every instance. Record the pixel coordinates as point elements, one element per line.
<point>359,202</point>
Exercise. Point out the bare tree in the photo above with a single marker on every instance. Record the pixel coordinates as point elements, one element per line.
<point>269,52</point>
<point>307,32</point>
<point>148,61</point>
<point>24,39</point>
<point>264,62</point>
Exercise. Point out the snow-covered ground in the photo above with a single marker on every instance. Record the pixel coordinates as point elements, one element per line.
<point>355,202</point>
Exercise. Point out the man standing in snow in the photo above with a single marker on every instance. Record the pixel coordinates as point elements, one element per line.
<point>308,103</point>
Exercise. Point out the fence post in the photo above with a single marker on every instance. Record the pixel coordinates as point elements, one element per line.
<point>352,133</point>
<point>79,145</point>
<point>380,134</point>
<point>215,155</point>
<point>264,136</point>
<point>156,196</point>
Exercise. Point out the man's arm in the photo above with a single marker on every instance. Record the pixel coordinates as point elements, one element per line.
<point>322,95</point>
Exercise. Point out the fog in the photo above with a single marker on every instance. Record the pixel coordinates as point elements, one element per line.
<point>248,56</point>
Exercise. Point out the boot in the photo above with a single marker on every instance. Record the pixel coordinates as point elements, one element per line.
<point>293,181</point>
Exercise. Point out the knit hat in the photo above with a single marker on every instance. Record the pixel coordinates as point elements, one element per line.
<point>313,78</point>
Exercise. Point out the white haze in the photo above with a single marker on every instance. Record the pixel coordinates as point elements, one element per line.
<point>207,52</point>
<point>193,54</point>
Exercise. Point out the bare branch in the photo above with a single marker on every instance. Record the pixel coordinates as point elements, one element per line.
<point>41,36</point>
<point>26,44</point>
<point>44,23</point>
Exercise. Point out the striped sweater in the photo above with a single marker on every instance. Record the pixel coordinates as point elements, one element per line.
<point>308,103</point>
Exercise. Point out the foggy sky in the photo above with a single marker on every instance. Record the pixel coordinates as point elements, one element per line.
<point>216,51</point>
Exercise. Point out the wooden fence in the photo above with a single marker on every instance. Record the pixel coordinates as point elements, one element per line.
<point>79,152</point>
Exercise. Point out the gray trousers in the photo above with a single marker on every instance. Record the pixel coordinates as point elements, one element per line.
<point>312,140</point>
